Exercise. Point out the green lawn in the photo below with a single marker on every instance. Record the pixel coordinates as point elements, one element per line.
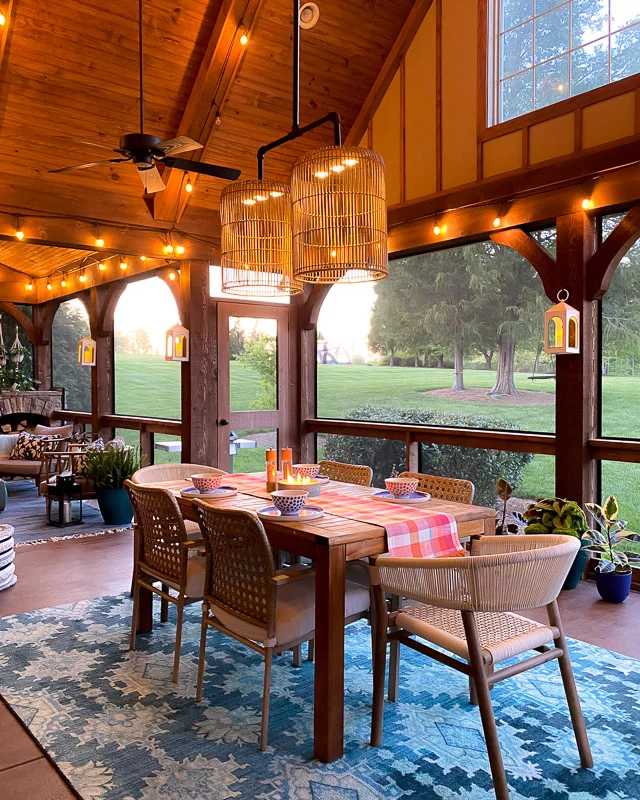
<point>149,386</point>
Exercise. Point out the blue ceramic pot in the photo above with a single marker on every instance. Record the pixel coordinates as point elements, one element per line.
<point>115,506</point>
<point>614,587</point>
<point>577,568</point>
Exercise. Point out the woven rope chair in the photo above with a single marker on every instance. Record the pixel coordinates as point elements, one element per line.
<point>245,596</point>
<point>347,473</point>
<point>164,554</point>
<point>465,606</point>
<point>170,472</point>
<point>455,490</point>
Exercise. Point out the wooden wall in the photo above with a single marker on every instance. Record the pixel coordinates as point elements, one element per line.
<point>431,124</point>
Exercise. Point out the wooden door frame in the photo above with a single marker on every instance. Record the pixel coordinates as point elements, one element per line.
<point>279,418</point>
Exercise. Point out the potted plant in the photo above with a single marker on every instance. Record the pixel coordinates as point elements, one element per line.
<point>516,523</point>
<point>613,543</point>
<point>558,516</point>
<point>110,468</point>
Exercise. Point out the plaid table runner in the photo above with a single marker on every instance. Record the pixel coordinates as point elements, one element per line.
<point>248,482</point>
<point>411,532</point>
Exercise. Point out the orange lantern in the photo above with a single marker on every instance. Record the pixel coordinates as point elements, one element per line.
<point>87,352</point>
<point>177,344</point>
<point>562,327</point>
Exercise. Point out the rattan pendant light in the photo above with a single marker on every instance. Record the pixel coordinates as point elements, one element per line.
<point>339,216</point>
<point>256,243</point>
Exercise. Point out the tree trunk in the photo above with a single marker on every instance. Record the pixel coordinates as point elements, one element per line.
<point>488,359</point>
<point>505,383</point>
<point>392,357</point>
<point>416,362</point>
<point>440,358</point>
<point>458,368</point>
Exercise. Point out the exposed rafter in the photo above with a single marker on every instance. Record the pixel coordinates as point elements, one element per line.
<point>217,71</point>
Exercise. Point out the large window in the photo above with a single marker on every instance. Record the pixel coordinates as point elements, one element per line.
<point>544,51</point>
<point>70,324</point>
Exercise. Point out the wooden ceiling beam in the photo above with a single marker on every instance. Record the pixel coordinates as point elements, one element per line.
<point>389,69</point>
<point>216,74</point>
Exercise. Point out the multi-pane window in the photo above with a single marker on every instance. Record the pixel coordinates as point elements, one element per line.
<point>548,50</point>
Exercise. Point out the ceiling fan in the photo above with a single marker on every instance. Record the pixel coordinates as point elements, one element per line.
<point>145,151</point>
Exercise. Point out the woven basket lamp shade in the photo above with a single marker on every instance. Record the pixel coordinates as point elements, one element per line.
<point>339,216</point>
<point>256,239</point>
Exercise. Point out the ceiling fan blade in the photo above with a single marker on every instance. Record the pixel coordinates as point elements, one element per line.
<point>226,173</point>
<point>92,164</point>
<point>151,180</point>
<point>77,140</point>
<point>181,144</point>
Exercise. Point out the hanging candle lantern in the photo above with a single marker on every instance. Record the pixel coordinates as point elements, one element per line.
<point>256,239</point>
<point>87,352</point>
<point>562,327</point>
<point>339,216</point>
<point>177,344</point>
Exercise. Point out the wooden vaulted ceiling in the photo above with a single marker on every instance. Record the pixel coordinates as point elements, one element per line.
<point>69,72</point>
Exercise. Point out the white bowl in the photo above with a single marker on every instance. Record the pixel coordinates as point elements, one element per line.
<point>207,481</point>
<point>289,501</point>
<point>401,487</point>
<point>308,470</point>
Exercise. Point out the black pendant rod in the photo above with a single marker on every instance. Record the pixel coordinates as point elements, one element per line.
<point>296,131</point>
<point>141,65</point>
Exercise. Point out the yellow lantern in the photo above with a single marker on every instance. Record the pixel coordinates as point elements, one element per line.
<point>87,352</point>
<point>562,327</point>
<point>177,344</point>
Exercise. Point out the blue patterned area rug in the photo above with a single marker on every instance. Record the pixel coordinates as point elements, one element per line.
<point>118,728</point>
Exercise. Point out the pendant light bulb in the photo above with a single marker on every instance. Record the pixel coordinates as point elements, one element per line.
<point>63,282</point>
<point>172,276</point>
<point>437,230</point>
<point>497,222</point>
<point>82,277</point>
<point>180,249</point>
<point>19,235</point>
<point>244,37</point>
<point>99,242</point>
<point>188,187</point>
<point>586,204</point>
<point>30,285</point>
<point>49,286</point>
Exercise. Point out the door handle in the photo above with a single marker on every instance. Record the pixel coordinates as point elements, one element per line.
<point>223,422</point>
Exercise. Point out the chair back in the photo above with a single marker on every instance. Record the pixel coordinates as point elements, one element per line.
<point>520,572</point>
<point>240,565</point>
<point>170,472</point>
<point>455,490</point>
<point>347,473</point>
<point>161,530</point>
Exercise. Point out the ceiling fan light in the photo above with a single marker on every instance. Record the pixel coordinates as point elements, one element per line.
<point>256,240</point>
<point>346,216</point>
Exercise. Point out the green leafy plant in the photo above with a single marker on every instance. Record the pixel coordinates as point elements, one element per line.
<point>111,467</point>
<point>617,547</point>
<point>555,515</point>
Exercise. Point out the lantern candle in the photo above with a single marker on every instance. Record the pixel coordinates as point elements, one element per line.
<point>272,469</point>
<point>287,463</point>
<point>298,481</point>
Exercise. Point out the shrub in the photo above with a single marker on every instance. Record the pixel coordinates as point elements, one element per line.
<point>482,467</point>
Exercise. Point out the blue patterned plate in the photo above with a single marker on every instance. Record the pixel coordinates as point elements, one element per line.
<point>412,499</point>
<point>216,494</point>
<point>322,479</point>
<point>307,513</point>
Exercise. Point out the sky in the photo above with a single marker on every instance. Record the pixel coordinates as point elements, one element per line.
<point>344,317</point>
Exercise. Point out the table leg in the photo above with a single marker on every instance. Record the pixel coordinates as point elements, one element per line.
<point>329,653</point>
<point>145,611</point>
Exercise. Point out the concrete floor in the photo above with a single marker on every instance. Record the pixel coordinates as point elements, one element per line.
<point>77,569</point>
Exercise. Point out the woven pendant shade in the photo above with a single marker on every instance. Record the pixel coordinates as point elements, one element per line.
<point>339,216</point>
<point>256,239</point>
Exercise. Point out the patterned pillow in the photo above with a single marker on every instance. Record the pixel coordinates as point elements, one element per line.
<point>98,444</point>
<point>30,447</point>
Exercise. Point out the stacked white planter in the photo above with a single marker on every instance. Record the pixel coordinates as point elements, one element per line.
<point>7,554</point>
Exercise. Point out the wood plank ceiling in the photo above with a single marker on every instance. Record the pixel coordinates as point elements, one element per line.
<point>70,71</point>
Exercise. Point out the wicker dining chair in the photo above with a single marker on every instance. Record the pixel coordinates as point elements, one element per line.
<point>171,472</point>
<point>164,554</point>
<point>268,610</point>
<point>347,473</point>
<point>465,606</point>
<point>456,490</point>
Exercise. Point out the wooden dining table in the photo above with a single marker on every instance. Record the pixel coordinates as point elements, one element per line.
<point>331,542</point>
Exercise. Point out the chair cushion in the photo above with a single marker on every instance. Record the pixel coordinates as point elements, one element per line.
<point>30,447</point>
<point>295,612</point>
<point>196,567</point>
<point>502,635</point>
<point>19,466</point>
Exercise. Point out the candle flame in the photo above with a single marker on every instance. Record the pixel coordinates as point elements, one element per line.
<point>298,480</point>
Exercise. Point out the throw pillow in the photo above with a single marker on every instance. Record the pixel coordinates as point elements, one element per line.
<point>79,461</point>
<point>30,447</point>
<point>46,430</point>
<point>7,443</point>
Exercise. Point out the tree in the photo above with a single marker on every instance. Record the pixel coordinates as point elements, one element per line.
<point>69,325</point>
<point>260,356</point>
<point>236,340</point>
<point>142,342</point>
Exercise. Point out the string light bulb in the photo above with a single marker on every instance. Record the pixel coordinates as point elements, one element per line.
<point>49,286</point>
<point>19,235</point>
<point>123,264</point>
<point>3,19</point>
<point>188,187</point>
<point>143,258</point>
<point>99,242</point>
<point>180,249</point>
<point>172,276</point>
<point>30,285</point>
<point>497,221</point>
<point>168,248</point>
<point>244,37</point>
<point>102,266</point>
<point>63,282</point>
<point>437,230</point>
<point>82,277</point>
<point>586,204</point>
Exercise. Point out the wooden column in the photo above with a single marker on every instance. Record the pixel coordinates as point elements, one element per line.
<point>102,302</point>
<point>307,374</point>
<point>42,351</point>
<point>200,373</point>
<point>577,395</point>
